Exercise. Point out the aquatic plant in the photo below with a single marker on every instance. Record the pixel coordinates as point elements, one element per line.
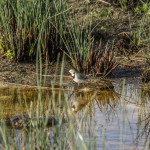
<point>52,27</point>
<point>27,24</point>
<point>141,35</point>
<point>83,54</point>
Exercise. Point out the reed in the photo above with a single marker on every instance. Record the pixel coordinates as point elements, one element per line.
<point>27,25</point>
<point>54,28</point>
<point>141,36</point>
<point>83,54</point>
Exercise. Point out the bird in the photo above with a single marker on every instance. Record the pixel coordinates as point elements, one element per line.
<point>90,83</point>
<point>78,77</point>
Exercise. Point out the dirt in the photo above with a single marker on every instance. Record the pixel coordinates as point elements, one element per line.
<point>26,73</point>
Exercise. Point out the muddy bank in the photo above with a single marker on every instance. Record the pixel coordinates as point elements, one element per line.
<point>26,73</point>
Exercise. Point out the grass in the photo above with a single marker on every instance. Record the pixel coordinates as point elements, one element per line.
<point>54,28</point>
<point>43,33</point>
<point>140,34</point>
<point>25,26</point>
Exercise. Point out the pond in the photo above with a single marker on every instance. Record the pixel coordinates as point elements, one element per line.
<point>117,118</point>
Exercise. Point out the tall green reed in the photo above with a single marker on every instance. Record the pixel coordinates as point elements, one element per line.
<point>81,51</point>
<point>52,27</point>
<point>141,35</point>
<point>26,24</point>
<point>78,42</point>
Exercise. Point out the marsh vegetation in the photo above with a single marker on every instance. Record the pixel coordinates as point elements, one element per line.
<point>40,105</point>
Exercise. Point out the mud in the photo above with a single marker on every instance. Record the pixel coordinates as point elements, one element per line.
<point>26,73</point>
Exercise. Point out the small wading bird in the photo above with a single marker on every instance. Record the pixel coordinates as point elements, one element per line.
<point>92,83</point>
<point>78,77</point>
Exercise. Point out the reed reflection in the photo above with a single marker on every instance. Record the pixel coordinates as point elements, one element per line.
<point>23,100</point>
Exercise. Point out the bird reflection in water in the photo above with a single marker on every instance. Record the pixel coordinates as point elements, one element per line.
<point>86,99</point>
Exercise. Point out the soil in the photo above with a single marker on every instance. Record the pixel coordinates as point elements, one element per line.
<point>26,73</point>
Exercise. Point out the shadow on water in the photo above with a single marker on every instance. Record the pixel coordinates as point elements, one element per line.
<point>109,119</point>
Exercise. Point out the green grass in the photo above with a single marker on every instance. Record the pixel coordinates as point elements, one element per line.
<point>27,25</point>
<point>37,29</point>
<point>52,27</point>
<point>55,29</point>
<point>141,35</point>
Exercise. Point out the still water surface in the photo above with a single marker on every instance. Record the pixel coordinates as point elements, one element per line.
<point>112,119</point>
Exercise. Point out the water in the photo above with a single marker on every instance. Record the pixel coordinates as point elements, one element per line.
<point>113,119</point>
<point>127,125</point>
